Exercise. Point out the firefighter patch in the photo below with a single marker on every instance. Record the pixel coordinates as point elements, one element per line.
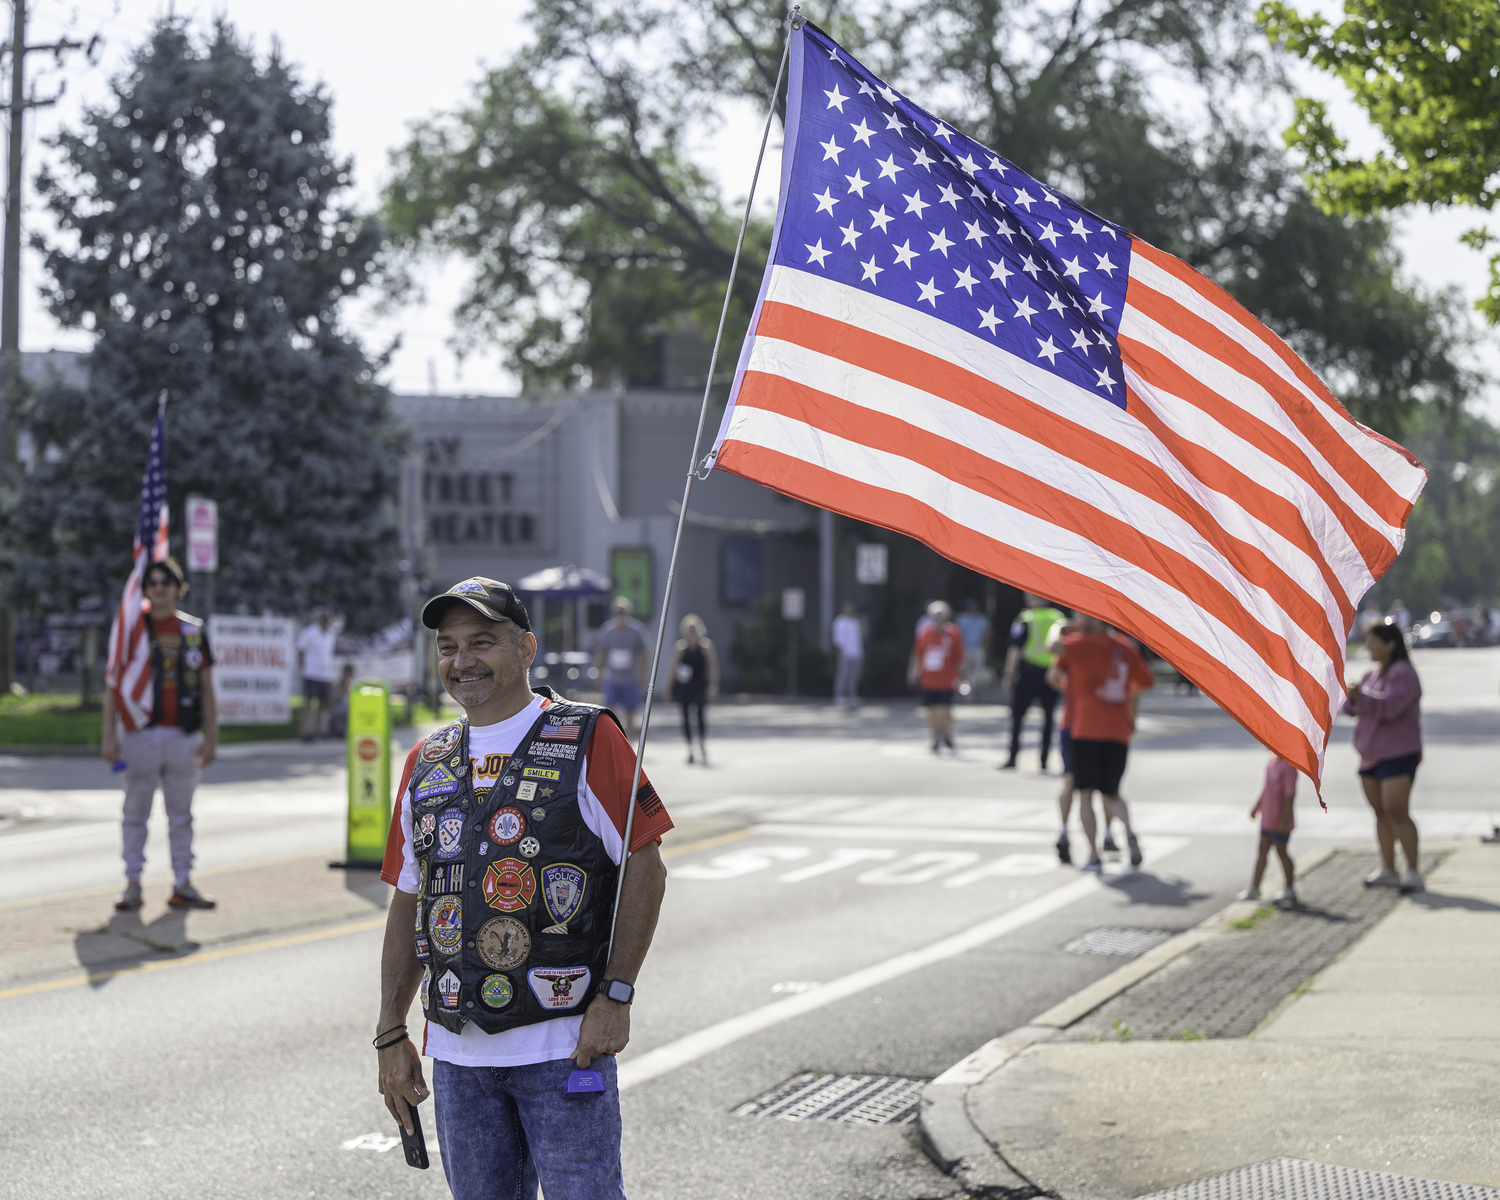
<point>503,943</point>
<point>438,782</point>
<point>507,826</point>
<point>559,987</point>
<point>437,746</point>
<point>496,991</point>
<point>509,885</point>
<point>448,989</point>
<point>450,833</point>
<point>562,890</point>
<point>446,924</point>
<point>423,829</point>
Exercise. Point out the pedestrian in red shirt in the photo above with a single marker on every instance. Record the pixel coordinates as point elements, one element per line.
<point>937,656</point>
<point>1105,674</point>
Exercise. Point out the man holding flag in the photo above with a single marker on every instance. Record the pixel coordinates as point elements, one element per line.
<point>159,686</point>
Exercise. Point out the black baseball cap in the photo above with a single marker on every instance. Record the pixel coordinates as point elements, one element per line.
<point>488,597</point>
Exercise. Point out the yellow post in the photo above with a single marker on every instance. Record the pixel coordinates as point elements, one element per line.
<point>369,771</point>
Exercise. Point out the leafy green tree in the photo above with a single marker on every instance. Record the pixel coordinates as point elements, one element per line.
<point>1428,77</point>
<point>206,245</point>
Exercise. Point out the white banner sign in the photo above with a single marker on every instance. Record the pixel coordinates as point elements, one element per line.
<point>202,535</point>
<point>255,664</point>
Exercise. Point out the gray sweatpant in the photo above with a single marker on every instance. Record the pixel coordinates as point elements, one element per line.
<point>159,755</point>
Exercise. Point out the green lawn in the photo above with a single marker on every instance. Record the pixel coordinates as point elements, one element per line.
<point>52,720</point>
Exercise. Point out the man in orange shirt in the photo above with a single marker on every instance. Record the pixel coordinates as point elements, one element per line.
<point>1106,674</point>
<point>937,656</point>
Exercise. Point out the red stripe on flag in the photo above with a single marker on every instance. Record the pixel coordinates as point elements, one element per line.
<point>1020,490</point>
<point>856,499</point>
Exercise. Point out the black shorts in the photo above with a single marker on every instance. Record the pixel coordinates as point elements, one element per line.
<point>316,689</point>
<point>935,699</point>
<point>1099,766</point>
<point>1393,768</point>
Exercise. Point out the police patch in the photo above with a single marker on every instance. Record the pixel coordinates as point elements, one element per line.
<point>446,924</point>
<point>437,746</point>
<point>507,826</point>
<point>529,847</point>
<point>562,890</point>
<point>447,880</point>
<point>496,991</point>
<point>503,943</point>
<point>542,773</point>
<point>448,989</point>
<point>450,833</point>
<point>438,782</point>
<point>559,987</point>
<point>509,885</point>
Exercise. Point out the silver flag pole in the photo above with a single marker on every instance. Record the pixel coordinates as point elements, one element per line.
<point>794,19</point>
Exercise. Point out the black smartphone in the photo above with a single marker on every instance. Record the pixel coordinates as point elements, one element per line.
<point>413,1143</point>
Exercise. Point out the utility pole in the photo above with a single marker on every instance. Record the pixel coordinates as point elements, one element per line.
<point>10,284</point>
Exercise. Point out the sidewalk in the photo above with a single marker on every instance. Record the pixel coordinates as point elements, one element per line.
<point>1387,1061</point>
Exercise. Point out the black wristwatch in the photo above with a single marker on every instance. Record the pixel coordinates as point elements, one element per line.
<point>617,990</point>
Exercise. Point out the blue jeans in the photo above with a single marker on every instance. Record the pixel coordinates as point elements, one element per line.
<point>503,1128</point>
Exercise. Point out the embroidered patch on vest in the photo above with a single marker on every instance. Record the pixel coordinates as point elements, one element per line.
<point>562,890</point>
<point>437,746</point>
<point>509,885</point>
<point>448,989</point>
<point>446,924</point>
<point>450,833</point>
<point>496,991</point>
<point>541,773</point>
<point>559,987</point>
<point>448,880</point>
<point>566,729</point>
<point>503,943</point>
<point>423,830</point>
<point>426,984</point>
<point>507,826</point>
<point>438,782</point>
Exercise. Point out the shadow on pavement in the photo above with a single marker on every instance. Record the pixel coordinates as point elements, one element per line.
<point>126,941</point>
<point>1437,900</point>
<point>1145,888</point>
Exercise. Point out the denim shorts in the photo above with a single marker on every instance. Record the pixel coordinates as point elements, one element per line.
<point>1393,768</point>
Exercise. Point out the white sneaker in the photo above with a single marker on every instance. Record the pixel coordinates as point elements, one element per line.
<point>1250,893</point>
<point>1385,877</point>
<point>1288,897</point>
<point>1412,882</point>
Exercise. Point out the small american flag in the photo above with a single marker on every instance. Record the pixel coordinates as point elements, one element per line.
<point>567,733</point>
<point>945,346</point>
<point>128,665</point>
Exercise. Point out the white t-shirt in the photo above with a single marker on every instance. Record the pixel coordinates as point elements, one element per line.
<point>489,746</point>
<point>317,646</point>
<point>848,637</point>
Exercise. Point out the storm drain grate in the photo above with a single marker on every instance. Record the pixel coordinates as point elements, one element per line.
<point>1297,1179</point>
<point>849,1099</point>
<point>1127,943</point>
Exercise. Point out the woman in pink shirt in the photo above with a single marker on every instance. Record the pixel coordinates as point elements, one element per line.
<point>1387,704</point>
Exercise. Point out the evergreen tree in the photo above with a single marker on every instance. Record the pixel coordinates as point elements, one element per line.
<point>206,245</point>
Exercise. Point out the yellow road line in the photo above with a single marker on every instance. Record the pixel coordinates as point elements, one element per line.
<point>705,843</point>
<point>296,939</point>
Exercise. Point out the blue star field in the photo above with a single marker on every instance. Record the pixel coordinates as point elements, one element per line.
<point>884,197</point>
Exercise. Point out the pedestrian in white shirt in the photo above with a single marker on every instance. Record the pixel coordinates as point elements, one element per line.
<point>315,649</point>
<point>849,641</point>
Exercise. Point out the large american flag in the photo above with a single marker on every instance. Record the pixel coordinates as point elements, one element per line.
<point>128,665</point>
<point>947,347</point>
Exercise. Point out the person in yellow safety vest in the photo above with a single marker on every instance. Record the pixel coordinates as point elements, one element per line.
<point>1025,677</point>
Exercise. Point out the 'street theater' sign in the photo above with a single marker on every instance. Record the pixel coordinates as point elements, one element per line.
<point>470,503</point>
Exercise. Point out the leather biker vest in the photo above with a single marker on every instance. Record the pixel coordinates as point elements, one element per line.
<point>517,891</point>
<point>189,673</point>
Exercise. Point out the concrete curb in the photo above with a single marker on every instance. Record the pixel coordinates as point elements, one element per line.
<point>948,1134</point>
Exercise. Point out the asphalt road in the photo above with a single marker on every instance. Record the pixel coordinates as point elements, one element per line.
<point>853,904</point>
